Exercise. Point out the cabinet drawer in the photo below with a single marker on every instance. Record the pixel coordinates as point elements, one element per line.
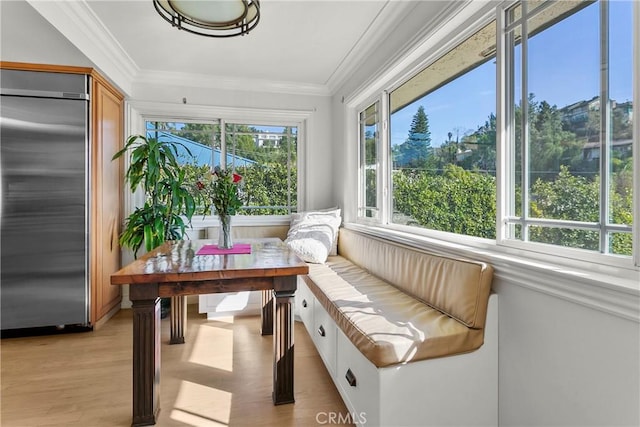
<point>324,336</point>
<point>358,381</point>
<point>304,305</point>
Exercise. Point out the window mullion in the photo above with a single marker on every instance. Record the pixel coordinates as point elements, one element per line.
<point>525,123</point>
<point>384,179</point>
<point>362,178</point>
<point>223,144</point>
<point>505,170</point>
<point>288,136</point>
<point>605,127</point>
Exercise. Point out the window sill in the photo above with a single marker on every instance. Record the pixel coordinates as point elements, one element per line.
<point>612,290</point>
<point>199,221</point>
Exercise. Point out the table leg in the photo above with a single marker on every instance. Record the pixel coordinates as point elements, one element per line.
<point>178,319</point>
<point>146,361</point>
<point>283,344</point>
<point>267,312</point>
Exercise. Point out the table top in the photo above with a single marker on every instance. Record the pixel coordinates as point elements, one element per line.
<point>176,261</point>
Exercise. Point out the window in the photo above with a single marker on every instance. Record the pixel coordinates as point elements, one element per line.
<point>569,149</point>
<point>265,156</point>
<point>521,133</point>
<point>369,164</point>
<point>443,142</point>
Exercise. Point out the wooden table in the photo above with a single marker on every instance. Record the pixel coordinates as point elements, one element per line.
<point>174,270</point>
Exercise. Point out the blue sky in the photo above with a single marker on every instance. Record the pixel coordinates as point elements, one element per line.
<point>563,69</point>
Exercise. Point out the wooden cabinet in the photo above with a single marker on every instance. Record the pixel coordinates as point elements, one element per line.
<point>106,197</point>
<point>106,137</point>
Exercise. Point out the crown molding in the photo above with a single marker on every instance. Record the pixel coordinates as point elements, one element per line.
<point>78,23</point>
<point>411,55</point>
<point>180,79</point>
<point>387,19</point>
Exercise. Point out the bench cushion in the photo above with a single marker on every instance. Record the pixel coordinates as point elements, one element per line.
<point>457,287</point>
<point>387,325</point>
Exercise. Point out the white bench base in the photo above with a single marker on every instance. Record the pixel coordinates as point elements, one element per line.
<point>460,390</point>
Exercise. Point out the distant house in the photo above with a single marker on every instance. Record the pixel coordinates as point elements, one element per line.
<point>268,140</point>
<point>578,112</point>
<point>200,154</point>
<point>591,150</point>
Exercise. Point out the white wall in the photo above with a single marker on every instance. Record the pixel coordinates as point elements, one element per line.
<point>25,36</point>
<point>564,364</point>
<point>565,358</point>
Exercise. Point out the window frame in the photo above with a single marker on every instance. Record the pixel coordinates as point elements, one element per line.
<point>140,112</point>
<point>532,255</point>
<point>382,183</point>
<point>506,156</point>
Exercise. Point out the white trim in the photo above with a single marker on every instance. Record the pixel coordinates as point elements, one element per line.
<point>605,289</point>
<point>78,23</point>
<point>180,79</point>
<point>304,173</point>
<point>503,152</point>
<point>386,204</point>
<point>199,222</point>
<point>258,116</point>
<point>350,184</point>
<point>134,123</point>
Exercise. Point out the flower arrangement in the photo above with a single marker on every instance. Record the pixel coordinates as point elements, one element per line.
<point>224,193</point>
<point>220,189</point>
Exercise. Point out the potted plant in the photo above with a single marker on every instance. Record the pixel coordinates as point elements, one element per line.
<point>154,166</point>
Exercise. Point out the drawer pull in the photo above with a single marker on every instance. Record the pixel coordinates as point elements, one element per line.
<point>321,331</point>
<point>304,303</point>
<point>351,379</point>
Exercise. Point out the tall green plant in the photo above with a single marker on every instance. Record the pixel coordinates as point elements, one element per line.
<point>153,165</point>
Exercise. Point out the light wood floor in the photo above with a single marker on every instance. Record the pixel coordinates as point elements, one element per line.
<point>222,376</point>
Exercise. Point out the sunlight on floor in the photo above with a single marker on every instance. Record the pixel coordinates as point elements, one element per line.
<point>202,406</point>
<point>223,336</point>
<point>234,302</point>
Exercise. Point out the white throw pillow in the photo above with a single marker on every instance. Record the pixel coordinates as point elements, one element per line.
<point>313,235</point>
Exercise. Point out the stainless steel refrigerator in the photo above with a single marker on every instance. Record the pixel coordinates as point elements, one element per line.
<point>44,142</point>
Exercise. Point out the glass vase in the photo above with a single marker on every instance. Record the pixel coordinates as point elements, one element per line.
<point>225,240</point>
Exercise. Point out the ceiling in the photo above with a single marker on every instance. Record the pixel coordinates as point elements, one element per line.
<point>307,44</point>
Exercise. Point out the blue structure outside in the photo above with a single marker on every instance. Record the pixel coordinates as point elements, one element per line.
<point>200,154</point>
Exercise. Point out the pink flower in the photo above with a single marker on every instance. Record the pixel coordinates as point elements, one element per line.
<point>236,178</point>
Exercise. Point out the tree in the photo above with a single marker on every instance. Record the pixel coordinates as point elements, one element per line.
<point>266,185</point>
<point>457,201</point>
<point>287,146</point>
<point>199,132</point>
<point>485,156</point>
<point>550,147</point>
<point>414,152</point>
<point>446,154</point>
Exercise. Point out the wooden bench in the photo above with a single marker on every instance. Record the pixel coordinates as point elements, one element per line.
<point>409,337</point>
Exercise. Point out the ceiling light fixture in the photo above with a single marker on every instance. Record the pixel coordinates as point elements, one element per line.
<point>211,18</point>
